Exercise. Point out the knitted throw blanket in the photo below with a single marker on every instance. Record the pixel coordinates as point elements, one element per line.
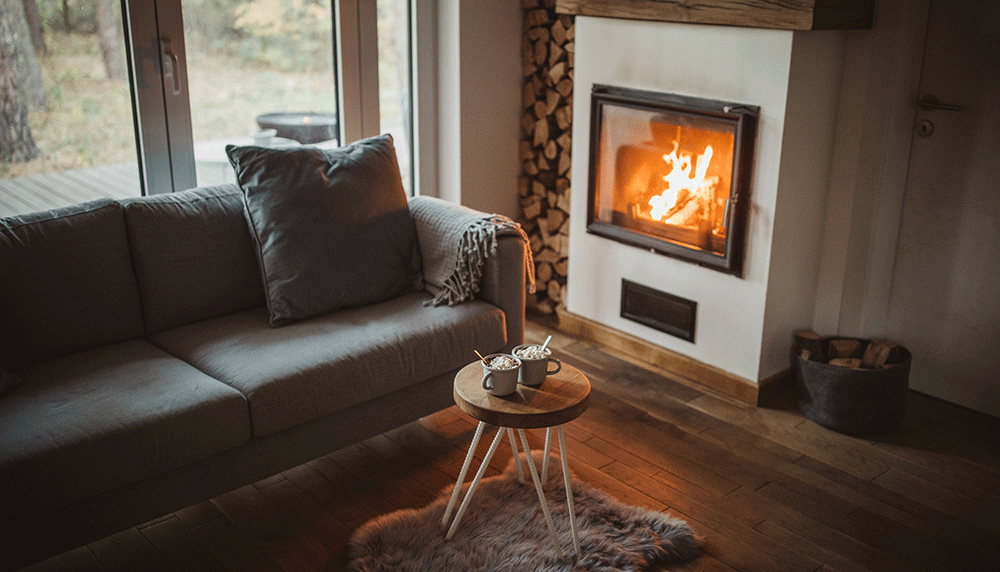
<point>454,245</point>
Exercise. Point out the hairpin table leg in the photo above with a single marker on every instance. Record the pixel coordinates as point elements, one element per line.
<point>475,484</point>
<point>461,475</point>
<point>569,490</point>
<point>545,457</point>
<point>517,458</point>
<point>541,495</point>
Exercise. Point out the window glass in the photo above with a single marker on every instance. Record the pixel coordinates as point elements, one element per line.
<point>394,81</point>
<point>77,142</point>
<point>260,72</point>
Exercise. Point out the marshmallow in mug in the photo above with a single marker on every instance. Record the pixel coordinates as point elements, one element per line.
<point>533,352</point>
<point>503,362</point>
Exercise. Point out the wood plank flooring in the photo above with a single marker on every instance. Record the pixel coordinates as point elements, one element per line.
<point>768,489</point>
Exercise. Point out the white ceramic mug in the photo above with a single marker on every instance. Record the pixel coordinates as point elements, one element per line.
<point>534,371</point>
<point>500,381</point>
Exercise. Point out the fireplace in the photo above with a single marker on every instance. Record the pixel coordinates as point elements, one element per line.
<point>671,174</point>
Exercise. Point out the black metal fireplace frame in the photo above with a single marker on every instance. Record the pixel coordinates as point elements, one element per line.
<point>743,117</point>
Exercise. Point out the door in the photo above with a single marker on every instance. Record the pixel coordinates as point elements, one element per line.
<point>945,299</point>
<point>79,143</point>
<point>141,96</point>
<point>278,73</point>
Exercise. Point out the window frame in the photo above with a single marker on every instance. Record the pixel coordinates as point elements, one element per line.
<point>154,34</point>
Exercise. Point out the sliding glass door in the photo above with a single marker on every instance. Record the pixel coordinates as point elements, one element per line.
<point>259,72</point>
<point>141,96</point>
<point>208,73</point>
<point>69,94</point>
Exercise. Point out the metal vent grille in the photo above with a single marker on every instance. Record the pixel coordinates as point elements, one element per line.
<point>658,310</point>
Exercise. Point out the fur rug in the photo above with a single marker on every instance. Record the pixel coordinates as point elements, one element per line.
<point>504,530</point>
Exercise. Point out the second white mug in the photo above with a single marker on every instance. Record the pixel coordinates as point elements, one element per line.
<point>535,370</point>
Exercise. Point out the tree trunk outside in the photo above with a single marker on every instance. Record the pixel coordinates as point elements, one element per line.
<point>27,73</point>
<point>16,142</point>
<point>67,22</point>
<point>110,39</point>
<point>34,19</point>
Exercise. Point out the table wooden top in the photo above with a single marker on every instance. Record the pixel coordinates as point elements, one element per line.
<point>560,399</point>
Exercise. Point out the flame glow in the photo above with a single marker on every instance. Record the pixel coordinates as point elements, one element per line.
<point>679,178</point>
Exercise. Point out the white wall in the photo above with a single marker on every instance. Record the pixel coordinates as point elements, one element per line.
<point>479,103</point>
<point>803,186</point>
<point>744,324</point>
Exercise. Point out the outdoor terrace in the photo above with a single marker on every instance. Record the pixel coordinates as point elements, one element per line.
<point>30,193</point>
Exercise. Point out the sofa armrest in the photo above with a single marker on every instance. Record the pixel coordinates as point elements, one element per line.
<point>503,281</point>
<point>503,285</point>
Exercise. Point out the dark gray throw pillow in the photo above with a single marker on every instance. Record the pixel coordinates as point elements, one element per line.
<point>332,227</point>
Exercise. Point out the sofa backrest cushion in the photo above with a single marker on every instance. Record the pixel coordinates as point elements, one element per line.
<point>331,227</point>
<point>66,283</point>
<point>193,256</point>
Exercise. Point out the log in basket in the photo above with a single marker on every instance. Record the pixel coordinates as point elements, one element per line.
<point>837,392</point>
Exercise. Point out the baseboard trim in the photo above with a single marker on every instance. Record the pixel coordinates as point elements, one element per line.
<point>696,373</point>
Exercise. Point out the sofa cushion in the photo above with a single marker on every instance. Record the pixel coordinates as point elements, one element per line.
<point>332,227</point>
<point>66,283</point>
<point>99,419</point>
<point>320,366</point>
<point>193,255</point>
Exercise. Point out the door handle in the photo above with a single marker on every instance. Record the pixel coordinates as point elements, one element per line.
<point>170,65</point>
<point>929,103</point>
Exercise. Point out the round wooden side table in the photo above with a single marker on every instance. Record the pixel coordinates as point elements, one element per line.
<point>560,399</point>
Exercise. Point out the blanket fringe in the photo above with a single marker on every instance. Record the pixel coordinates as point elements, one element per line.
<point>479,242</point>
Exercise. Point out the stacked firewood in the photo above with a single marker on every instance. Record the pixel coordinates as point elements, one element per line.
<point>852,353</point>
<point>547,48</point>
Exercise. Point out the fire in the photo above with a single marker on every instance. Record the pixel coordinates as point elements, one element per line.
<point>680,179</point>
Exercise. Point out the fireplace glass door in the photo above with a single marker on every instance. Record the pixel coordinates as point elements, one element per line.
<point>671,173</point>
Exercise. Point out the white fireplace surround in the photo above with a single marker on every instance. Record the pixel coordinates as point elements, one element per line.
<point>808,185</point>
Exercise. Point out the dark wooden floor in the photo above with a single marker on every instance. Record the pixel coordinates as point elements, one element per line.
<point>768,489</point>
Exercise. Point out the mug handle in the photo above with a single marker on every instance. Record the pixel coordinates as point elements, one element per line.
<point>556,370</point>
<point>488,376</point>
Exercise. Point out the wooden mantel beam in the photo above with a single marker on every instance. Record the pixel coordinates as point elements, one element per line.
<point>777,14</point>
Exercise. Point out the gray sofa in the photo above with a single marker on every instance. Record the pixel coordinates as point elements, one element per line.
<point>150,379</point>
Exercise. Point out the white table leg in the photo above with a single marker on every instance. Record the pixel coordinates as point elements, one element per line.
<point>569,490</point>
<point>475,484</point>
<point>461,475</point>
<point>541,495</point>
<point>517,458</point>
<point>545,457</point>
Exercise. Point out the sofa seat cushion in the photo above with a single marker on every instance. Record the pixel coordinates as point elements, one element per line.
<point>99,419</point>
<point>326,364</point>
